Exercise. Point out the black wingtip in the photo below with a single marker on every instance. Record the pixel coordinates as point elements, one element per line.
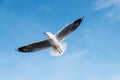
<point>16,49</point>
<point>78,21</point>
<point>82,18</point>
<point>21,49</point>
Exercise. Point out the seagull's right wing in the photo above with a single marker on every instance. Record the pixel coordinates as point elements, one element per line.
<point>68,29</point>
<point>35,46</point>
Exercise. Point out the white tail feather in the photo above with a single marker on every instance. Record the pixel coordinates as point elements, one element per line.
<point>54,52</point>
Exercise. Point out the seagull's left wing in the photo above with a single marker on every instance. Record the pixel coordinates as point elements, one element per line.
<point>68,29</point>
<point>35,46</point>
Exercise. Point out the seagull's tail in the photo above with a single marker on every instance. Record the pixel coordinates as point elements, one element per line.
<point>54,52</point>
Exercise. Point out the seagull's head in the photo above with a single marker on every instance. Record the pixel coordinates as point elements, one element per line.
<point>48,33</point>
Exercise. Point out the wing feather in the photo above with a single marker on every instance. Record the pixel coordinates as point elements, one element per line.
<point>68,29</point>
<point>35,46</point>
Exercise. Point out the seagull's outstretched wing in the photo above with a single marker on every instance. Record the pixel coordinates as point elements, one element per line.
<point>68,29</point>
<point>35,46</point>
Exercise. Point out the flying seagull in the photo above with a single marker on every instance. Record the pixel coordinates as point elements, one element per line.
<point>53,41</point>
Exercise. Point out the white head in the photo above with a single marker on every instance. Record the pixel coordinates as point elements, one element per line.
<point>48,34</point>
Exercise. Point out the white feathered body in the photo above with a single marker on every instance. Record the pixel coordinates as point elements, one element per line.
<point>57,47</point>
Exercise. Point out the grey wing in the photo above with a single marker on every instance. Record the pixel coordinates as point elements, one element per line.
<point>68,29</point>
<point>35,46</point>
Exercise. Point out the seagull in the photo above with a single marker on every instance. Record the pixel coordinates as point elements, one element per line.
<point>54,41</point>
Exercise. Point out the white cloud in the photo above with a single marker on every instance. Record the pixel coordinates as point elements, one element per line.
<point>101,4</point>
<point>113,13</point>
<point>71,56</point>
<point>104,4</point>
<point>78,55</point>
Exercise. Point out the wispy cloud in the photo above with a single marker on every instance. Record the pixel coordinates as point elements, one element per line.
<point>72,56</point>
<point>101,4</point>
<point>77,55</point>
<point>112,5</point>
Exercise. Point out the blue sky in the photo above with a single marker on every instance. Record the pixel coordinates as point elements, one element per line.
<point>93,49</point>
